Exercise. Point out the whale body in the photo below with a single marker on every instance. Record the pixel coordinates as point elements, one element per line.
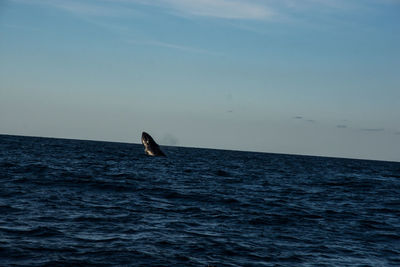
<point>151,148</point>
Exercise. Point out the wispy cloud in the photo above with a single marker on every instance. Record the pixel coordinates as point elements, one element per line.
<point>19,27</point>
<point>372,129</point>
<point>259,10</point>
<point>341,126</point>
<point>86,8</point>
<point>97,8</point>
<point>309,4</point>
<point>392,2</point>
<point>93,11</point>
<point>173,46</point>
<point>225,9</point>
<point>221,9</point>
<point>304,119</point>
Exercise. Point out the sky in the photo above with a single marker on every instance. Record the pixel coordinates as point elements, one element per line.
<point>311,77</point>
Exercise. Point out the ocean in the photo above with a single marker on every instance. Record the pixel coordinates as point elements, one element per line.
<point>89,203</point>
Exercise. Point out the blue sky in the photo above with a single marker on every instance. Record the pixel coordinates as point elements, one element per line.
<point>316,77</point>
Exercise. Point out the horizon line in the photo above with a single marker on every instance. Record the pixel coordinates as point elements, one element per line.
<point>212,148</point>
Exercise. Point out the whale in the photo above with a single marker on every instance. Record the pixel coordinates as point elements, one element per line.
<point>151,148</point>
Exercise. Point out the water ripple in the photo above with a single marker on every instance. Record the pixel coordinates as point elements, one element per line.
<point>72,203</point>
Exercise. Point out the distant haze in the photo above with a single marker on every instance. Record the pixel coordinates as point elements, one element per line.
<point>299,77</point>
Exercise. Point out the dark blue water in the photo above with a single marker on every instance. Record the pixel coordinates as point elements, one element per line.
<point>70,202</point>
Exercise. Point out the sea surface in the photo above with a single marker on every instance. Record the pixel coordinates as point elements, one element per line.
<point>86,203</point>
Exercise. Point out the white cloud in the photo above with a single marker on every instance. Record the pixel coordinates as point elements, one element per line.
<point>84,8</point>
<point>172,46</point>
<point>225,9</point>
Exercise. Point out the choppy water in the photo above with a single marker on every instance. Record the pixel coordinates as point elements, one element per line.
<point>70,202</point>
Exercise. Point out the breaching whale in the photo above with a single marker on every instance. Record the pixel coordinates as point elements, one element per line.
<point>151,148</point>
